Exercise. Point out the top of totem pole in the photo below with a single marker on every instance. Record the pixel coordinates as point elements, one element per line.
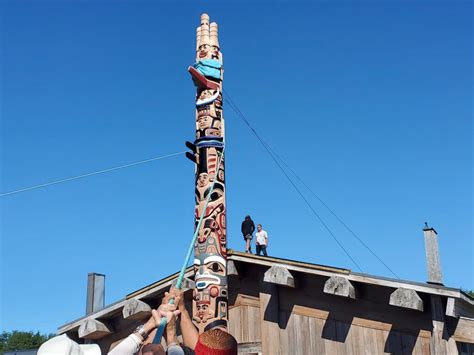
<point>204,19</point>
<point>207,40</point>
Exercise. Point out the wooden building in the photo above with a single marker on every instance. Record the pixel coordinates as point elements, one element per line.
<point>279,306</point>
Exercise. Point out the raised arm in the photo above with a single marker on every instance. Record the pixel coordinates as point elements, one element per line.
<point>132,343</point>
<point>188,330</point>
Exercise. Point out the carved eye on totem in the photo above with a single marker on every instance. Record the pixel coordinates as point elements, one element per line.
<point>216,267</point>
<point>216,195</point>
<point>218,192</point>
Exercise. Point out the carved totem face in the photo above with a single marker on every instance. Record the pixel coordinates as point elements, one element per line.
<point>210,295</point>
<point>207,51</point>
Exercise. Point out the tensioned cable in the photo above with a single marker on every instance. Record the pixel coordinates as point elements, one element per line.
<point>92,173</point>
<point>232,103</point>
<point>240,114</point>
<point>334,214</point>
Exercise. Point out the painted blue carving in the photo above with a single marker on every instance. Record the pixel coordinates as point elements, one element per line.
<point>209,141</point>
<point>210,68</point>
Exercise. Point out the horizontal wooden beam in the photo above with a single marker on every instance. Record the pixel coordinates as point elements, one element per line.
<point>339,286</point>
<point>93,329</point>
<point>351,276</point>
<point>113,309</point>
<point>136,310</point>
<point>280,276</point>
<point>464,331</point>
<point>406,298</point>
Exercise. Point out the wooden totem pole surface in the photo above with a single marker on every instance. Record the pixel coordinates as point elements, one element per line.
<point>210,295</point>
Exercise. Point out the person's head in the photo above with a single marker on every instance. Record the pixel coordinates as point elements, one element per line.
<point>62,345</point>
<point>216,342</point>
<point>259,227</point>
<point>247,218</point>
<point>153,349</point>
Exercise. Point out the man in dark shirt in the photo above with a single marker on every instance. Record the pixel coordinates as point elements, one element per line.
<point>248,228</point>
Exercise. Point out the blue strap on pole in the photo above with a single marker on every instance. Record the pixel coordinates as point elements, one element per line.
<point>161,328</point>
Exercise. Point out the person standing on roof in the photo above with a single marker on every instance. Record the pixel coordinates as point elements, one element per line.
<point>248,227</point>
<point>261,240</point>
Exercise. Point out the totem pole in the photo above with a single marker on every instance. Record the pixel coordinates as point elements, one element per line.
<point>210,295</point>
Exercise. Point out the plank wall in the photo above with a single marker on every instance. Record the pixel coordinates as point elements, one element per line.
<point>307,321</point>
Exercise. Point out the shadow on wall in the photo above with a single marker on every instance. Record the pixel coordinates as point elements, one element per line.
<point>373,305</point>
<point>337,329</point>
<point>400,343</point>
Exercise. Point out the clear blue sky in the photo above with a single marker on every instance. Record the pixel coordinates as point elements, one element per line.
<point>371,103</point>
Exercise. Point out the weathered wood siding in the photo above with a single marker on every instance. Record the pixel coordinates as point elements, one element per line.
<point>275,316</point>
<point>244,324</point>
<point>308,335</point>
<point>305,320</point>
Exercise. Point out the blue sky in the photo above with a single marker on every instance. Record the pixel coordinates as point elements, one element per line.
<point>371,103</point>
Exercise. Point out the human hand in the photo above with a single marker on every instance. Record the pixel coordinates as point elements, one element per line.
<point>178,296</point>
<point>166,299</point>
<point>167,311</point>
<point>155,320</point>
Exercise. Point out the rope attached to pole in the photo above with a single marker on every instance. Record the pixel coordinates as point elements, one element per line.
<point>161,328</point>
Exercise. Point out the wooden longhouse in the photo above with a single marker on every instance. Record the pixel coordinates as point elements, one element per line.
<point>279,306</point>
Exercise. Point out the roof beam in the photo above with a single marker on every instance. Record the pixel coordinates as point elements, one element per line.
<point>93,329</point>
<point>280,276</point>
<point>136,310</point>
<point>406,298</point>
<point>339,286</point>
<point>351,276</point>
<point>464,330</point>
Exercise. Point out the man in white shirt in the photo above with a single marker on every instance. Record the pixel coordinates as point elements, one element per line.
<point>261,240</point>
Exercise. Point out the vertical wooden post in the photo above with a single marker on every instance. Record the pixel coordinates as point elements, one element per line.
<point>440,342</point>
<point>433,263</point>
<point>269,318</point>
<point>95,292</point>
<point>210,295</point>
